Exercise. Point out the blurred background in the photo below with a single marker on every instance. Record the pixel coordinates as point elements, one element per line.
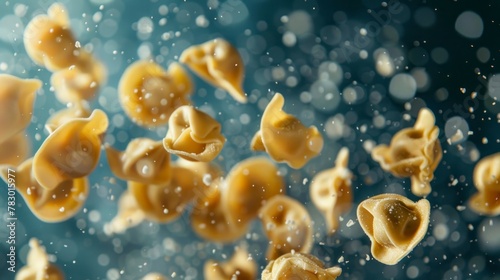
<point>325,57</point>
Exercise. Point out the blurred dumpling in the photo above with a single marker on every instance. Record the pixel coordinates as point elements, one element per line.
<point>193,135</point>
<point>331,192</point>
<point>38,265</point>
<point>17,97</point>
<point>166,201</point>
<point>487,182</point>
<point>144,161</point>
<point>299,266</point>
<point>51,206</point>
<point>394,224</point>
<point>239,267</point>
<point>287,225</point>
<point>149,94</point>
<point>284,137</point>
<point>15,150</point>
<point>413,152</point>
<point>71,151</point>
<point>248,186</point>
<point>129,215</point>
<point>220,64</point>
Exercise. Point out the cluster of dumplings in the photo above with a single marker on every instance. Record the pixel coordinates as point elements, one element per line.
<point>54,182</point>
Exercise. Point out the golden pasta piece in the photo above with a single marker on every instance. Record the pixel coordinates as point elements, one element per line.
<point>154,276</point>
<point>80,81</point>
<point>239,267</point>
<point>149,94</point>
<point>38,265</point>
<point>73,111</point>
<point>209,219</point>
<point>487,182</point>
<point>15,150</point>
<point>394,224</point>
<point>220,64</point>
<point>209,171</point>
<point>299,266</point>
<point>248,186</point>
<point>287,225</point>
<point>166,202</point>
<point>17,97</point>
<point>413,152</point>
<point>71,151</point>
<point>193,135</point>
<point>331,192</point>
<point>144,161</point>
<point>51,206</point>
<point>284,137</point>
<point>48,39</point>
<point>129,215</point>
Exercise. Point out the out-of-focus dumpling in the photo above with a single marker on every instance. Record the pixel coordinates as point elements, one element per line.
<point>299,266</point>
<point>149,94</point>
<point>38,265</point>
<point>15,150</point>
<point>487,182</point>
<point>220,64</point>
<point>239,267</point>
<point>331,192</point>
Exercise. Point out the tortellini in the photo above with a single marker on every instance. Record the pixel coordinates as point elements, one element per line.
<point>50,43</point>
<point>487,182</point>
<point>331,192</point>
<point>209,218</point>
<point>413,152</point>
<point>220,64</point>
<point>193,135</point>
<point>38,265</point>
<point>299,266</point>
<point>129,215</point>
<point>73,111</point>
<point>17,97</point>
<point>284,137</point>
<point>144,161</point>
<point>166,201</point>
<point>71,151</point>
<point>394,224</point>
<point>287,225</point>
<point>149,94</point>
<point>15,150</point>
<point>49,205</point>
<point>239,267</point>
<point>248,186</point>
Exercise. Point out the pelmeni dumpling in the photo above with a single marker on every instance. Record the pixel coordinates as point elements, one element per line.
<point>144,161</point>
<point>193,135</point>
<point>487,182</point>
<point>71,151</point>
<point>149,94</point>
<point>51,206</point>
<point>287,225</point>
<point>239,267</point>
<point>38,265</point>
<point>394,224</point>
<point>331,192</point>
<point>17,97</point>
<point>73,111</point>
<point>220,64</point>
<point>284,137</point>
<point>413,152</point>
<point>299,266</point>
